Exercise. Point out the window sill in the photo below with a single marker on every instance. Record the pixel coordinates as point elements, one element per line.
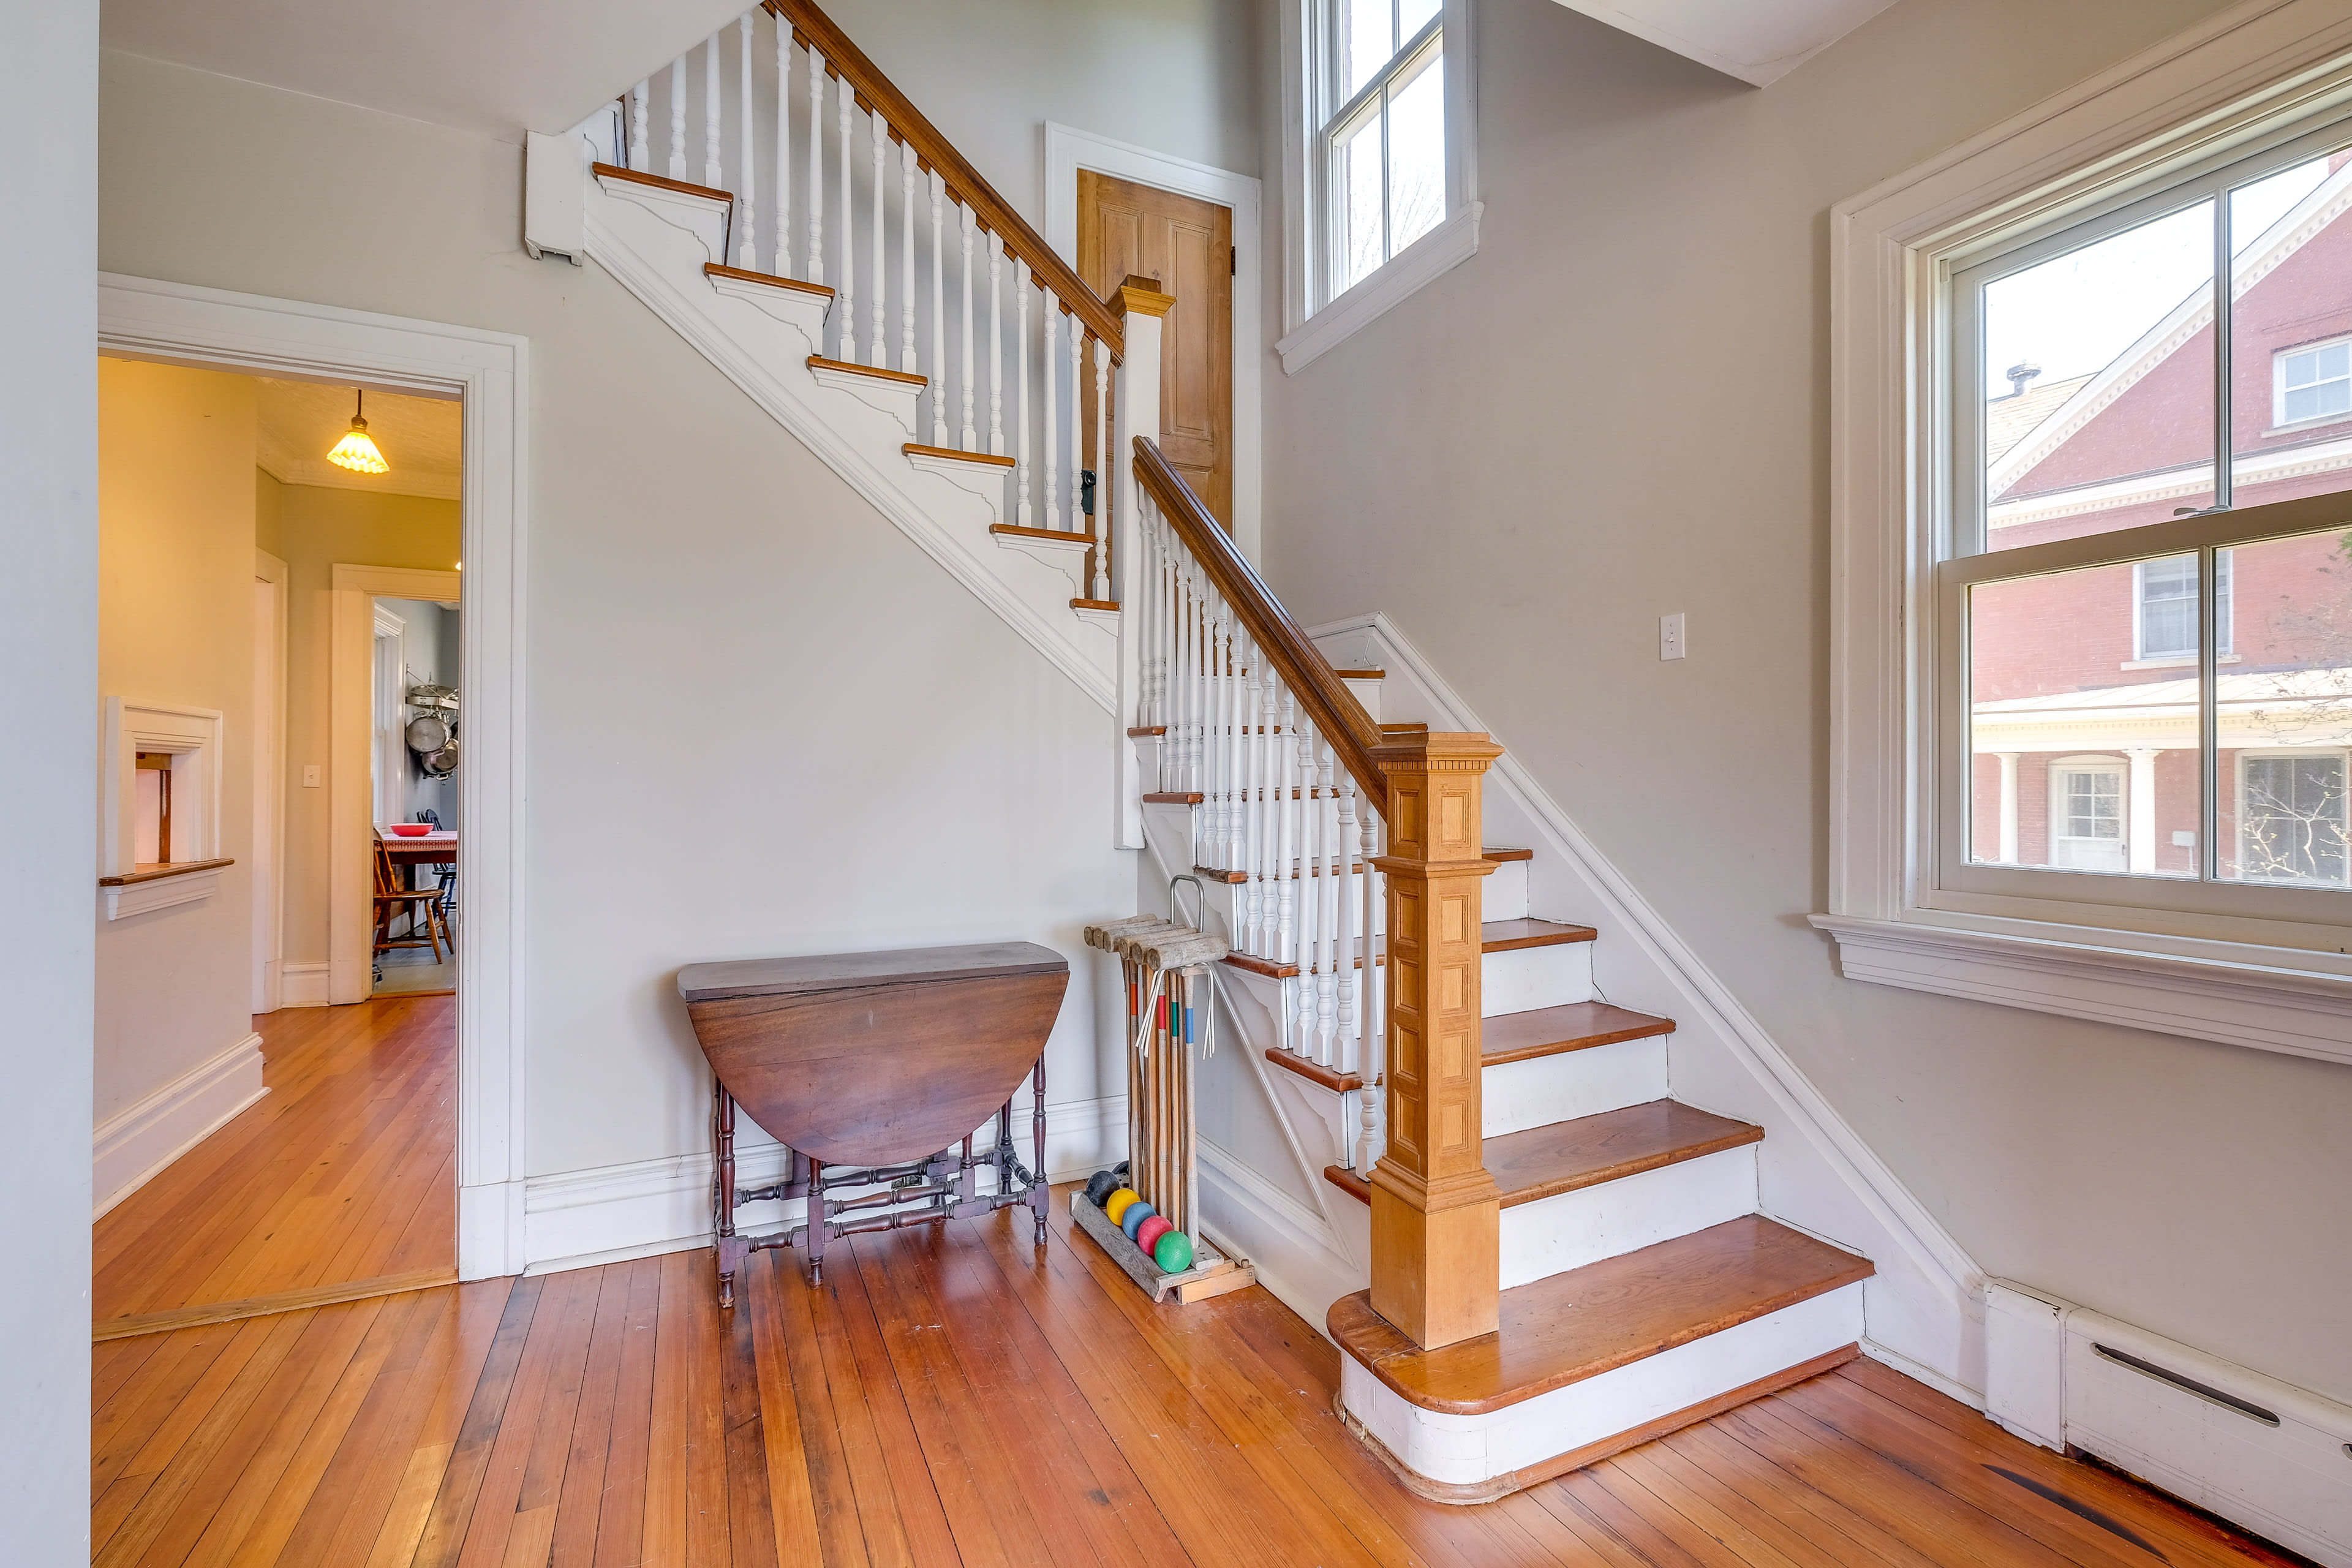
<point>1438,251</point>
<point>159,887</point>
<point>2270,998</point>
<point>2177,661</point>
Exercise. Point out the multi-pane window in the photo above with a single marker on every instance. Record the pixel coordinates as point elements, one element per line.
<point>1383,147</point>
<point>2167,606</point>
<point>2313,383</point>
<point>2146,580</point>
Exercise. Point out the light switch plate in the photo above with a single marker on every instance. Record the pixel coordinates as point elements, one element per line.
<point>311,771</point>
<point>1670,636</point>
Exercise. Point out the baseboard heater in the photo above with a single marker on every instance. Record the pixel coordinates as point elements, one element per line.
<point>2266,1455</point>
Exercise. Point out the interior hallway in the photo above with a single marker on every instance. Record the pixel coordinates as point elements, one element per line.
<point>955,1398</point>
<point>344,1172</point>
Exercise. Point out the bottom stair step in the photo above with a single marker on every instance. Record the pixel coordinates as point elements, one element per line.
<point>1592,1361</point>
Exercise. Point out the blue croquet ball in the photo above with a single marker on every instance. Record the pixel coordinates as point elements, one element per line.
<point>1132,1220</point>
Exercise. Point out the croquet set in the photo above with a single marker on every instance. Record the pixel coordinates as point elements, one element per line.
<point>1145,1211</point>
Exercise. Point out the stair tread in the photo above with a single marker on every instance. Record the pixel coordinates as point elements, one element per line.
<point>661,182</point>
<point>714,270</point>
<point>1562,1156</point>
<point>1570,1026</point>
<point>1503,936</point>
<point>1499,852</point>
<point>880,372</point>
<point>1581,1323</point>
<point>1349,1181</point>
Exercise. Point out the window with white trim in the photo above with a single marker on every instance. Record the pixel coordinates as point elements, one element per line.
<point>2167,600</point>
<point>2295,817</point>
<point>2312,384</point>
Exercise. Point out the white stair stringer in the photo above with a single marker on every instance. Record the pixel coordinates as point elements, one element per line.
<point>1479,1456</point>
<point>1554,1235</point>
<point>761,337</point>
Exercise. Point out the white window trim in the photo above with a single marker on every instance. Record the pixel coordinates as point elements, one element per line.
<point>2188,98</point>
<point>2279,423</point>
<point>2143,659</point>
<point>192,737</point>
<point>2088,762</point>
<point>1314,325</point>
<point>2239,784</point>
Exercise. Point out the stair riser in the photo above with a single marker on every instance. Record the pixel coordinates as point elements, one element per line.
<point>1517,1096</point>
<point>1465,1450</point>
<point>1521,979</point>
<point>1505,896</point>
<point>1554,1235</point>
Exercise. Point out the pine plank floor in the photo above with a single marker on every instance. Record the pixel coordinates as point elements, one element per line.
<point>951,1395</point>
<point>346,1169</point>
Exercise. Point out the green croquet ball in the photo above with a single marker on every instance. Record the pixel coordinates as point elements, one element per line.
<point>1174,1253</point>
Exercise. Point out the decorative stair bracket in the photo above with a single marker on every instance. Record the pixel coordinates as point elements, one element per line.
<point>1437,1213</point>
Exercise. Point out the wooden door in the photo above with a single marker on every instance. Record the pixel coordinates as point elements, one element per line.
<point>1186,245</point>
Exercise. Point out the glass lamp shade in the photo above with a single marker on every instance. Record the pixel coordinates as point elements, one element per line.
<point>357,451</point>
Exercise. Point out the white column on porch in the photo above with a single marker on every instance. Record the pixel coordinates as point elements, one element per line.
<point>2140,828</point>
<point>2007,854</point>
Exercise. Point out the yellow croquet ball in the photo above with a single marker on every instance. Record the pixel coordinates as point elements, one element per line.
<point>1118,1203</point>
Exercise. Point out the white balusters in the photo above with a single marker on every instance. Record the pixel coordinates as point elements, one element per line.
<point>995,345</point>
<point>747,253</point>
<point>906,160</point>
<point>1287,816</point>
<point>1052,474</point>
<point>815,273</point>
<point>781,254</point>
<point>878,352</point>
<point>1079,521</point>
<point>1021,395</point>
<point>969,440</point>
<point>938,370</point>
<point>641,156</point>
<point>678,118</point>
<point>712,175</point>
<point>844,298</point>
<point>1104,458</point>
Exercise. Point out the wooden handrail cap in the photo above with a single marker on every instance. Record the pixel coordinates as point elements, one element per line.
<point>1142,297</point>
<point>1436,751</point>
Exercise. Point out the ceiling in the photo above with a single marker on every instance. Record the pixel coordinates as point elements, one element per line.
<point>512,66</point>
<point>503,68</point>
<point>421,437</point>
<point>1758,41</point>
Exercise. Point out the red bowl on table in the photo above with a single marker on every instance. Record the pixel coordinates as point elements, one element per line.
<point>412,829</point>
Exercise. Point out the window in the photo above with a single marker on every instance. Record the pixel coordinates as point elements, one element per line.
<point>2058,363</point>
<point>2312,384</point>
<point>1379,140</point>
<point>2167,606</point>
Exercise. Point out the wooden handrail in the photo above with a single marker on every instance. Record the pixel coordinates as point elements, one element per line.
<point>964,182</point>
<point>1337,717</point>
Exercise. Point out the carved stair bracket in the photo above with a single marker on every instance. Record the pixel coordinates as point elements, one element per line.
<point>1436,1214</point>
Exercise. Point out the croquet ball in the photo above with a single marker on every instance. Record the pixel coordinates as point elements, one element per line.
<point>1150,1231</point>
<point>1116,1206</point>
<point>1132,1220</point>
<point>1172,1252</point>
<point>1099,1187</point>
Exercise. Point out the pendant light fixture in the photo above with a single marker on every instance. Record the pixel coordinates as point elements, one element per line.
<point>357,450</point>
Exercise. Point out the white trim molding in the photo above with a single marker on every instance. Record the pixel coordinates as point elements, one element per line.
<point>1068,150</point>
<point>2209,92</point>
<point>1438,252</point>
<point>193,738</point>
<point>489,371</point>
<point>134,1143</point>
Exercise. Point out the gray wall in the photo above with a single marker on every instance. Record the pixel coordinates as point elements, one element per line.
<point>49,643</point>
<point>1618,409</point>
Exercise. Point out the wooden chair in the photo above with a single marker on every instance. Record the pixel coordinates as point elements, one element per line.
<point>392,899</point>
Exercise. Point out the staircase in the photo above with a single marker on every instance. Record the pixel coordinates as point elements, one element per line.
<point>1563,1258</point>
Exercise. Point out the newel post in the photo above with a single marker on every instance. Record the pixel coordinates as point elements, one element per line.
<point>1436,1214</point>
<point>1136,405</point>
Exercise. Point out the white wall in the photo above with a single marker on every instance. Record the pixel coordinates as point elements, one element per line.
<point>176,626</point>
<point>1615,411</point>
<point>759,719</point>
<point>49,643</point>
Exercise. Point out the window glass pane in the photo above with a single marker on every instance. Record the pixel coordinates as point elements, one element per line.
<point>2289,359</point>
<point>2083,757</point>
<point>2167,606</point>
<point>1362,240</point>
<point>2286,711</point>
<point>1412,15</point>
<point>2099,385</point>
<point>1365,44</point>
<point>1417,156</point>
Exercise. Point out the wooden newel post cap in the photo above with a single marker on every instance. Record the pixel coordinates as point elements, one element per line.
<point>1142,297</point>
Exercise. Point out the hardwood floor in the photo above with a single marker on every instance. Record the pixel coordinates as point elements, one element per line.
<point>951,1397</point>
<point>344,1171</point>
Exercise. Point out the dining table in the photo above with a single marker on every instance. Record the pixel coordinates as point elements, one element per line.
<point>438,847</point>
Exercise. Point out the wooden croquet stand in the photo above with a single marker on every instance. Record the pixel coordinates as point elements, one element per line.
<point>1212,1274</point>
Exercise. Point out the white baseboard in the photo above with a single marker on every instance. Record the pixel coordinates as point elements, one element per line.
<point>136,1143</point>
<point>608,1213</point>
<point>1297,1256</point>
<point>302,984</point>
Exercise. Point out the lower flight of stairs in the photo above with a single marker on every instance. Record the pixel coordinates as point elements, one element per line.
<point>1641,1289</point>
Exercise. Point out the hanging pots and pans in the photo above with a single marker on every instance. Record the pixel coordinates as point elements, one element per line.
<point>443,761</point>
<point>427,734</point>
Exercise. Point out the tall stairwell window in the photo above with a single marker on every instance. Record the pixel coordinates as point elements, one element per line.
<point>2092,522</point>
<point>1381,138</point>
